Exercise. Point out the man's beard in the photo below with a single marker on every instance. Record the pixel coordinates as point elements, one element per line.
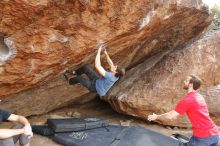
<point>185,87</point>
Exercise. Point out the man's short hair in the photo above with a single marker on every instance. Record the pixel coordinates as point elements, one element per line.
<point>196,81</point>
<point>120,72</point>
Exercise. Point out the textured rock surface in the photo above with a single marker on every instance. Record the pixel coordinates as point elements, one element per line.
<point>45,36</point>
<point>159,89</point>
<point>52,95</point>
<point>212,95</point>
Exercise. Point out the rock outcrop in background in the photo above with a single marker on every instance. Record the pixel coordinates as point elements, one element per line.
<point>40,38</point>
<point>158,89</point>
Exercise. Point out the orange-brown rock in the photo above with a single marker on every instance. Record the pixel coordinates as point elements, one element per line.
<point>45,36</point>
<point>158,89</point>
<point>52,95</point>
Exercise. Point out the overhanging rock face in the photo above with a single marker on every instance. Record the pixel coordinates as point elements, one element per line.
<point>158,89</point>
<point>48,36</point>
<point>45,36</point>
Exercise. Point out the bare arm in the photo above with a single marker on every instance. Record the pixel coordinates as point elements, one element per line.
<point>6,133</point>
<point>22,120</point>
<point>98,65</point>
<point>169,116</point>
<point>108,59</point>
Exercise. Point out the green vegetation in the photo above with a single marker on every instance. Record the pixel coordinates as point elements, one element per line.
<point>215,12</point>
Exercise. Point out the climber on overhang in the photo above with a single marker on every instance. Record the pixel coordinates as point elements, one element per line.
<point>100,84</point>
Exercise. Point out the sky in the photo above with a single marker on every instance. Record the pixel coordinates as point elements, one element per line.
<point>211,2</point>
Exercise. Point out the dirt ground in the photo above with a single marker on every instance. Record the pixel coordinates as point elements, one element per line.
<point>97,109</point>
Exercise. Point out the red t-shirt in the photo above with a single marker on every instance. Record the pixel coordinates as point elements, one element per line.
<point>194,105</point>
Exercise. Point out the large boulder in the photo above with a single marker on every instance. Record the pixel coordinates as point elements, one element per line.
<point>157,89</point>
<point>43,37</point>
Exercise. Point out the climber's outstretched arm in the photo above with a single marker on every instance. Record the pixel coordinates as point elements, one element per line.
<point>110,62</point>
<point>98,65</point>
